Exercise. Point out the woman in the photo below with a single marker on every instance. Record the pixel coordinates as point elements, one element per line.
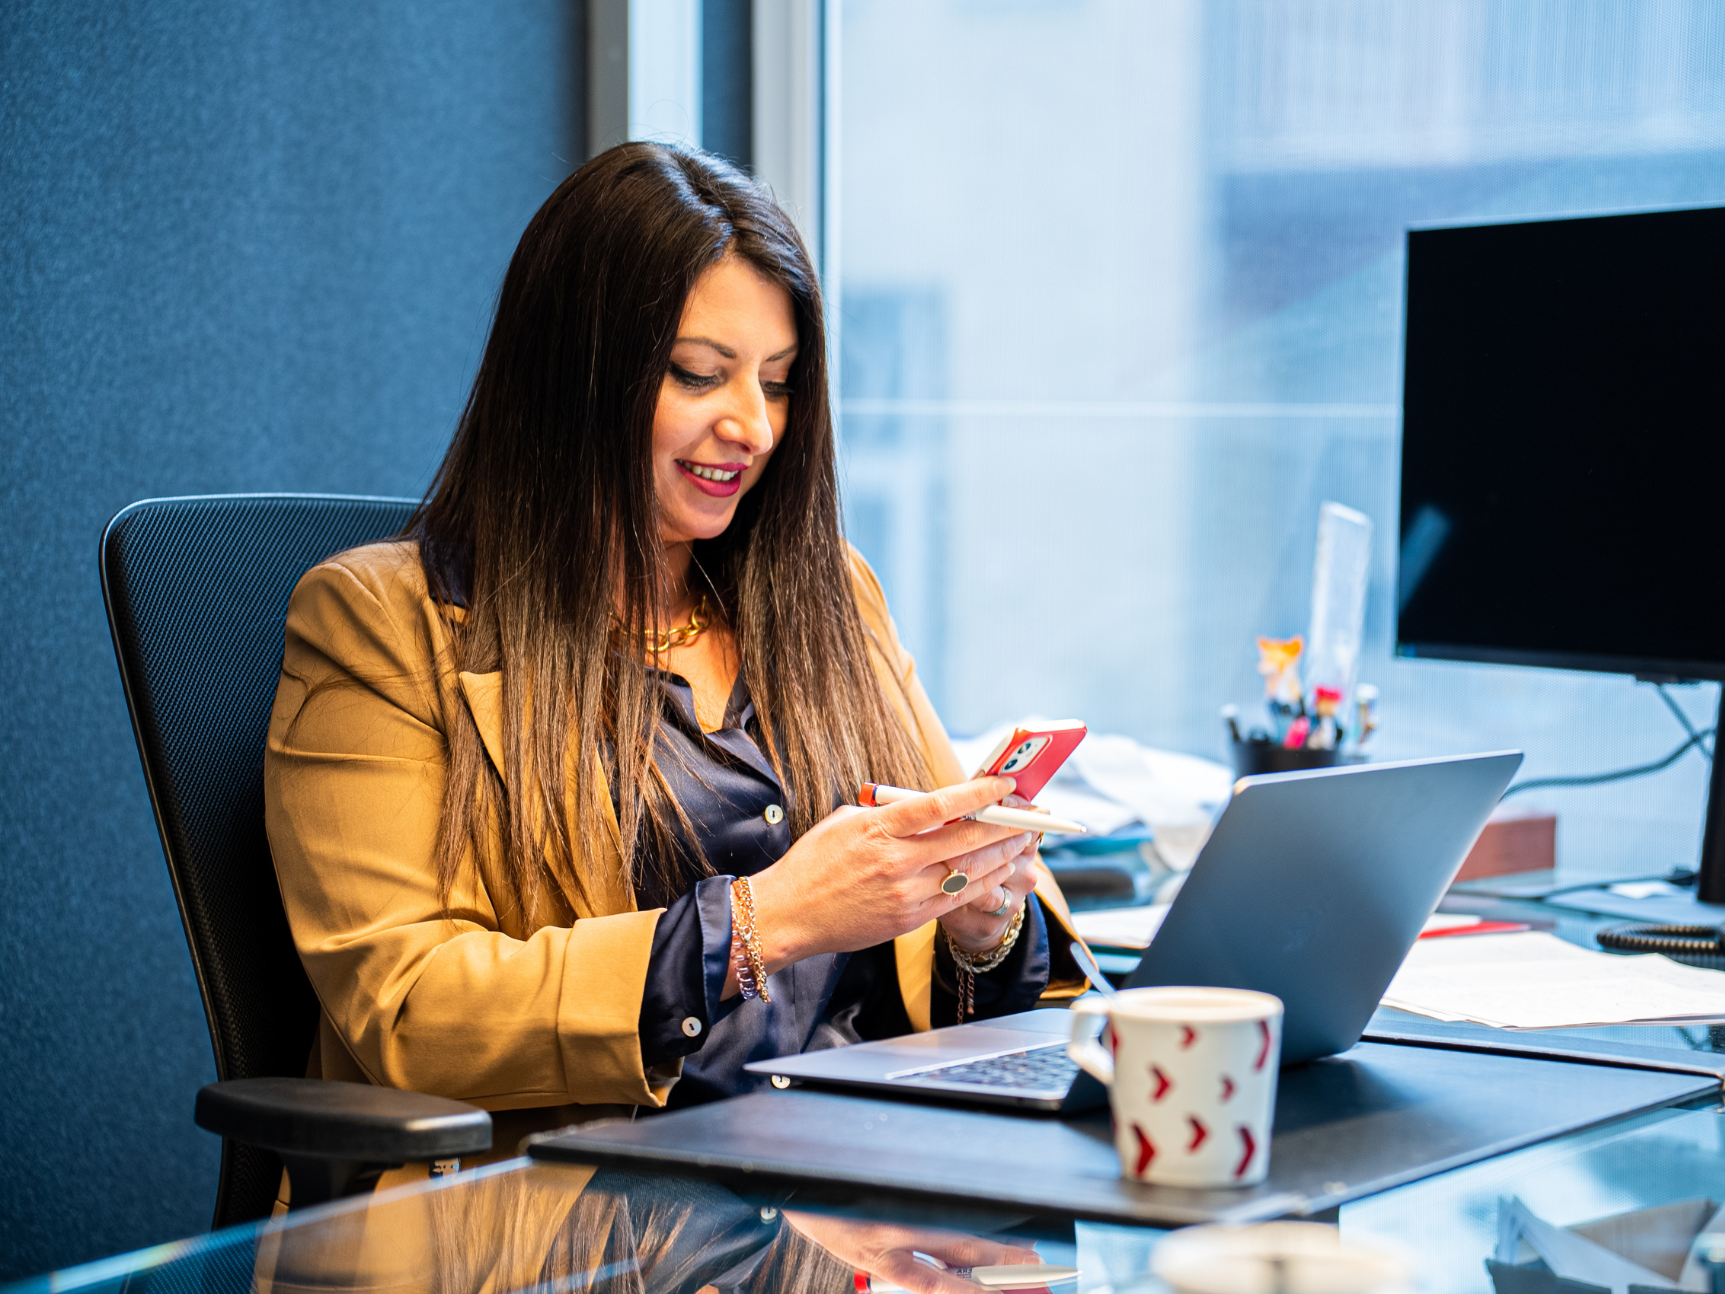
<point>554,781</point>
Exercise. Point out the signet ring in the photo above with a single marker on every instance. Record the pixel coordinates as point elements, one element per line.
<point>954,883</point>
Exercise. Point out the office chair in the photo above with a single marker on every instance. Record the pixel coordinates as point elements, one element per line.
<point>197,593</point>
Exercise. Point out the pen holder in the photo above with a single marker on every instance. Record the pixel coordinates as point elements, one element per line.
<point>1266,756</point>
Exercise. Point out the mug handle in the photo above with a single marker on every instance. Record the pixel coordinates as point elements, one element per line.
<point>1086,1052</point>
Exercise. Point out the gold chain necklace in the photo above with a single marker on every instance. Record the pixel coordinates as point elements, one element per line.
<point>660,641</point>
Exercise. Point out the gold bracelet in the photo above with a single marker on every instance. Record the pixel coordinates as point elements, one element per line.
<point>751,970</point>
<point>970,964</point>
<point>984,962</point>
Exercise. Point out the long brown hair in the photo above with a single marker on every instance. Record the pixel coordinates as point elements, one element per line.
<point>543,521</point>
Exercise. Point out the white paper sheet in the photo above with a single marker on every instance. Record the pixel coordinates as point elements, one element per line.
<point>1136,927</point>
<point>1533,980</point>
<point>1177,795</point>
<point>1079,803</point>
<point>1120,927</point>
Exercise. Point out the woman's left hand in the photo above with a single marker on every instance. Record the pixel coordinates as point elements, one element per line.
<point>981,923</point>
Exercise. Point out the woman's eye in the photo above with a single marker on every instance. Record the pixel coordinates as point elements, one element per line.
<point>776,390</point>
<point>694,381</point>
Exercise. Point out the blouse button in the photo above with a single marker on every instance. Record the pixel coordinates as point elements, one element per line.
<point>774,815</point>
<point>691,1026</point>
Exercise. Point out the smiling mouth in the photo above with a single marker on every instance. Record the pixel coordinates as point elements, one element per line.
<point>719,474</point>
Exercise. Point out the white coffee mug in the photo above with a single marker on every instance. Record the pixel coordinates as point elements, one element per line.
<point>1191,1073</point>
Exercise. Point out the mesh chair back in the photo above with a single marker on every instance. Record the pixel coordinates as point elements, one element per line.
<point>197,593</point>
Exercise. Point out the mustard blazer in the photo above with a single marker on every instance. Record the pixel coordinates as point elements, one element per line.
<point>511,1015</point>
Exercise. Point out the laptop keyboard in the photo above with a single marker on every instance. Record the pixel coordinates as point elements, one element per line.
<point>1038,1069</point>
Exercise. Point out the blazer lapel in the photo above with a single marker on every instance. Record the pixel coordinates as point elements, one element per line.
<point>484,696</point>
<point>607,890</point>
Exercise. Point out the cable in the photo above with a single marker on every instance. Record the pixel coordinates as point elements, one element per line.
<point>1638,938</point>
<point>1697,739</point>
<point>1594,779</point>
<point>1683,719</point>
<point>1707,942</point>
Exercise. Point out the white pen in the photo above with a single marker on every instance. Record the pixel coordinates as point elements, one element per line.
<point>873,794</point>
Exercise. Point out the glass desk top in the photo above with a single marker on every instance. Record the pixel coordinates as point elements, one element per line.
<point>525,1225</point>
<point>528,1225</point>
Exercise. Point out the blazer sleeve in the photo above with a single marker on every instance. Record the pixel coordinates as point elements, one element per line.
<point>434,1001</point>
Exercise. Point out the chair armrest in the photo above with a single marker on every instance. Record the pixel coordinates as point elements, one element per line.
<point>309,1118</point>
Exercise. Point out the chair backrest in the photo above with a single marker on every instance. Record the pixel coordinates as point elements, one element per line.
<point>197,593</point>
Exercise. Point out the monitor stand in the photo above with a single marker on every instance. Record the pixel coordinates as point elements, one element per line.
<point>1710,882</point>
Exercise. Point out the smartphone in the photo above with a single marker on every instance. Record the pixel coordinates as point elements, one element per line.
<point>1033,755</point>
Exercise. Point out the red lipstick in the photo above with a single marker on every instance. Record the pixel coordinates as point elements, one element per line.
<point>702,477</point>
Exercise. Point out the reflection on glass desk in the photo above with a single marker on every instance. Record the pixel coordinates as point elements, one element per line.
<point>524,1225</point>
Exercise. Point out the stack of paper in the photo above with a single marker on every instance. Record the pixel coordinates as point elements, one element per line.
<point>1120,927</point>
<point>1177,796</point>
<point>1065,798</point>
<point>1135,927</point>
<point>1537,981</point>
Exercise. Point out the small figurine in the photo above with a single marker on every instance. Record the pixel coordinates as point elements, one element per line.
<point>1326,733</point>
<point>1278,662</point>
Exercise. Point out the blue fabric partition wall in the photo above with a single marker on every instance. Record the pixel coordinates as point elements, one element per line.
<point>245,245</point>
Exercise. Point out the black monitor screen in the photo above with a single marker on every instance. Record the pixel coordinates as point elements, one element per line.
<point>1563,440</point>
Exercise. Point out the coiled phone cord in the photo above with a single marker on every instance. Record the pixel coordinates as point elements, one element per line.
<point>1642,938</point>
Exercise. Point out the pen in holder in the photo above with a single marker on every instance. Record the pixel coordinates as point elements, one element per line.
<point>1298,742</point>
<point>1309,725</point>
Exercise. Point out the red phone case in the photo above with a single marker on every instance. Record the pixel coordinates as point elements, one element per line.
<point>1017,756</point>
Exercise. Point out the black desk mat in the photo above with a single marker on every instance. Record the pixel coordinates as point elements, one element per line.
<point>1660,1051</point>
<point>1375,1117</point>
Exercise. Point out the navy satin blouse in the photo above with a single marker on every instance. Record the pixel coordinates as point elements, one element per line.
<point>740,818</point>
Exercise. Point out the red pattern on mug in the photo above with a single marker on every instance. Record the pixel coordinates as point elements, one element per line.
<point>1227,1089</point>
<point>1146,1152</point>
<point>1163,1083</point>
<point>1251,1149</point>
<point>1188,1036</point>
<point>1264,1045</point>
<point>1199,1134</point>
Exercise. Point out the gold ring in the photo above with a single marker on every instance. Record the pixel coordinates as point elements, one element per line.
<point>955,882</point>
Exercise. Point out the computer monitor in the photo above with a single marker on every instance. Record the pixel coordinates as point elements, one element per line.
<point>1563,440</point>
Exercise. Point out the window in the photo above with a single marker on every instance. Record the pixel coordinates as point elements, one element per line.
<point>1119,286</point>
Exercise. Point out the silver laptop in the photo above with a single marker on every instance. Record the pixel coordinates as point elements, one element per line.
<point>1312,886</point>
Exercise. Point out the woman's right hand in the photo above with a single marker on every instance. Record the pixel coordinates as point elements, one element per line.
<point>861,877</point>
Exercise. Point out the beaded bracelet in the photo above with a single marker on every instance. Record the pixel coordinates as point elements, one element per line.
<point>970,964</point>
<point>751,971</point>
